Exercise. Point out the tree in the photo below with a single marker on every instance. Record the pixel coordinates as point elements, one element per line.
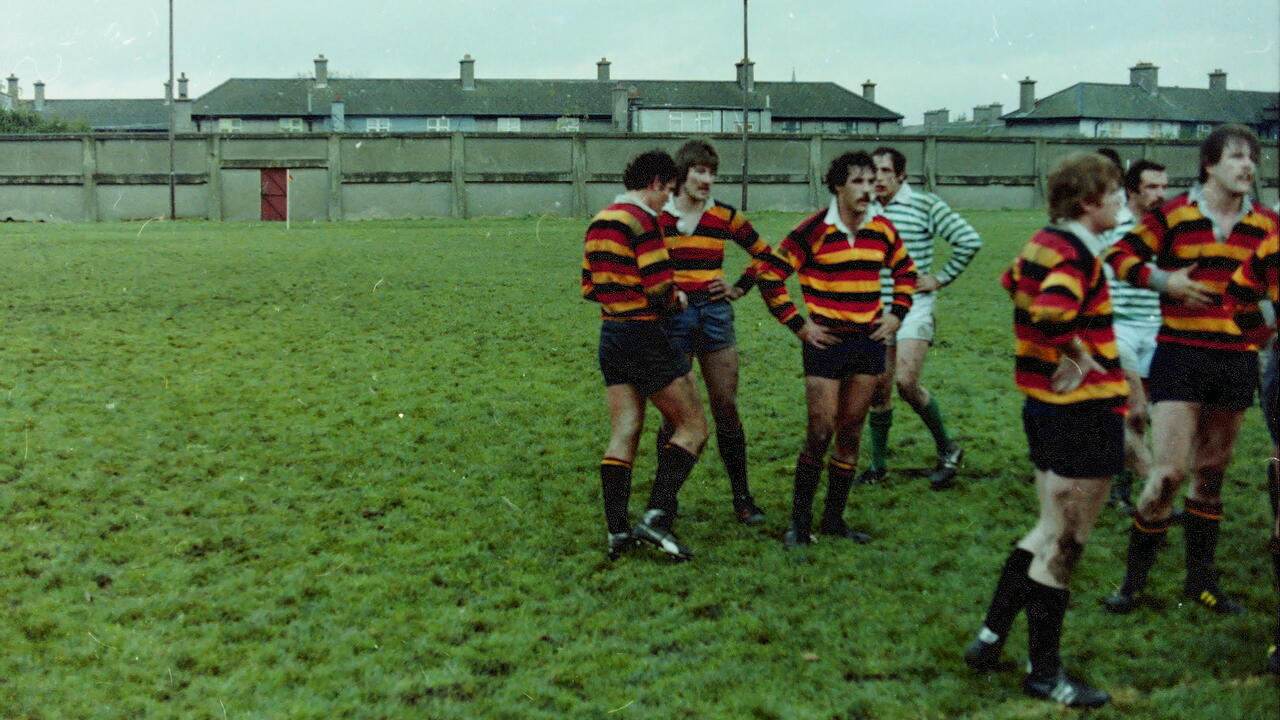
<point>25,122</point>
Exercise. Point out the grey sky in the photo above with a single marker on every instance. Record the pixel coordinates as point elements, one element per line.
<point>922,54</point>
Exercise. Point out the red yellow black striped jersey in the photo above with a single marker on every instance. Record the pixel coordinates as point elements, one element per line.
<point>1258,277</point>
<point>1179,235</point>
<point>625,266</point>
<point>1060,293</point>
<point>699,257</point>
<point>839,275</point>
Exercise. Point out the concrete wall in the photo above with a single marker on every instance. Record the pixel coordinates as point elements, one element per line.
<point>389,175</point>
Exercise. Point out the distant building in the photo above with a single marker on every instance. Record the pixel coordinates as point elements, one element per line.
<point>985,121</point>
<point>324,104</point>
<point>104,115</point>
<point>1142,109</point>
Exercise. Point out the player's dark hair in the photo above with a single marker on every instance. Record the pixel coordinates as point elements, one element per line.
<point>695,152</point>
<point>838,171</point>
<point>895,156</point>
<point>646,166</point>
<point>1212,147</point>
<point>1113,156</point>
<point>1133,178</point>
<point>1079,178</point>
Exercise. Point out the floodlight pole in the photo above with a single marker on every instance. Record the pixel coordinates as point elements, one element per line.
<point>745,100</point>
<point>173,99</point>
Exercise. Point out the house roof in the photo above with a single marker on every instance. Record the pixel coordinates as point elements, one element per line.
<point>249,97</point>
<point>109,114</point>
<point>1131,102</point>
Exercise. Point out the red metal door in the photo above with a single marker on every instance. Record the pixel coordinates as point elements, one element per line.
<point>275,193</point>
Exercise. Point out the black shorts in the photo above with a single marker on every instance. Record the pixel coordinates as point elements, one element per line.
<point>638,353</point>
<point>703,327</point>
<point>853,355</point>
<point>1224,379</point>
<point>1080,440</point>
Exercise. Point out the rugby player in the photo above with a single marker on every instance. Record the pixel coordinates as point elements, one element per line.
<point>625,268</point>
<point>1205,366</point>
<point>1068,367</point>
<point>919,217</point>
<point>838,253</point>
<point>704,330</point>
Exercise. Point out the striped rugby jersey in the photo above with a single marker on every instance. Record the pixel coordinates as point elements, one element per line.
<point>1128,303</point>
<point>1177,235</point>
<point>1258,277</point>
<point>697,253</point>
<point>920,217</point>
<point>1060,293</point>
<point>839,275</point>
<point>625,266</point>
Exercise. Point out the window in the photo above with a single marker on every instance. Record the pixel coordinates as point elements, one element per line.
<point>440,124</point>
<point>291,124</point>
<point>230,125</point>
<point>1160,130</point>
<point>790,126</point>
<point>567,124</point>
<point>737,126</point>
<point>377,125</point>
<point>1110,129</point>
<point>702,122</point>
<point>509,124</point>
<point>675,121</point>
<point>1203,129</point>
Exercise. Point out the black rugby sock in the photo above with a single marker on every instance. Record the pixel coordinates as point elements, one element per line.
<point>674,465</point>
<point>733,452</point>
<point>1010,596</point>
<point>615,485</point>
<point>808,473</point>
<point>1046,608</point>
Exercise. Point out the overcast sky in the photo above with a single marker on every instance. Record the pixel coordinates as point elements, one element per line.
<point>923,54</point>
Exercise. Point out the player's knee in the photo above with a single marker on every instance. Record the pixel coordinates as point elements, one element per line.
<point>1209,481</point>
<point>818,438</point>
<point>1168,480</point>
<point>1137,421</point>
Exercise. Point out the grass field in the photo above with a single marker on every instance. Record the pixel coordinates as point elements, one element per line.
<point>350,471</point>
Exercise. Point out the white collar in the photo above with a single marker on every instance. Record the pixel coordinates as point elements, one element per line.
<point>1091,240</point>
<point>625,199</point>
<point>904,194</point>
<point>833,217</point>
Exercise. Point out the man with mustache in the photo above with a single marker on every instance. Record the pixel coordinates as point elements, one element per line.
<point>1205,366</point>
<point>838,253</point>
<point>919,217</point>
<point>703,226</point>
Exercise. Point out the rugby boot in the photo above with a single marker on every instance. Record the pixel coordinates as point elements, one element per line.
<point>944,472</point>
<point>1273,660</point>
<point>1207,593</point>
<point>655,529</point>
<point>838,528</point>
<point>619,544</point>
<point>1064,689</point>
<point>982,655</point>
<point>796,537</point>
<point>746,510</point>
<point>873,476</point>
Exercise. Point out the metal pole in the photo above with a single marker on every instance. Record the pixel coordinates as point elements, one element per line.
<point>745,99</point>
<point>173,99</point>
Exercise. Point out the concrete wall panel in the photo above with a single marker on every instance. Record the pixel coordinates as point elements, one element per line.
<point>517,155</point>
<point>510,199</point>
<point>140,202</point>
<point>135,156</point>
<point>985,159</point>
<point>41,157</point>
<point>989,197</point>
<point>395,154</point>
<point>50,203</point>
<point>236,147</point>
<point>366,201</point>
<point>241,195</point>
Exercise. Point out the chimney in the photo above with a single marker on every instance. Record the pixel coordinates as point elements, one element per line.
<point>168,92</point>
<point>39,96</point>
<point>869,91</point>
<point>468,72</point>
<point>338,116</point>
<point>996,111</point>
<point>13,89</point>
<point>1144,75</point>
<point>182,86</point>
<point>937,117</point>
<point>322,71</point>
<point>1027,95</point>
<point>182,108</point>
<point>602,69</point>
<point>746,74</point>
<point>621,108</point>
<point>980,114</point>
<point>1217,80</point>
